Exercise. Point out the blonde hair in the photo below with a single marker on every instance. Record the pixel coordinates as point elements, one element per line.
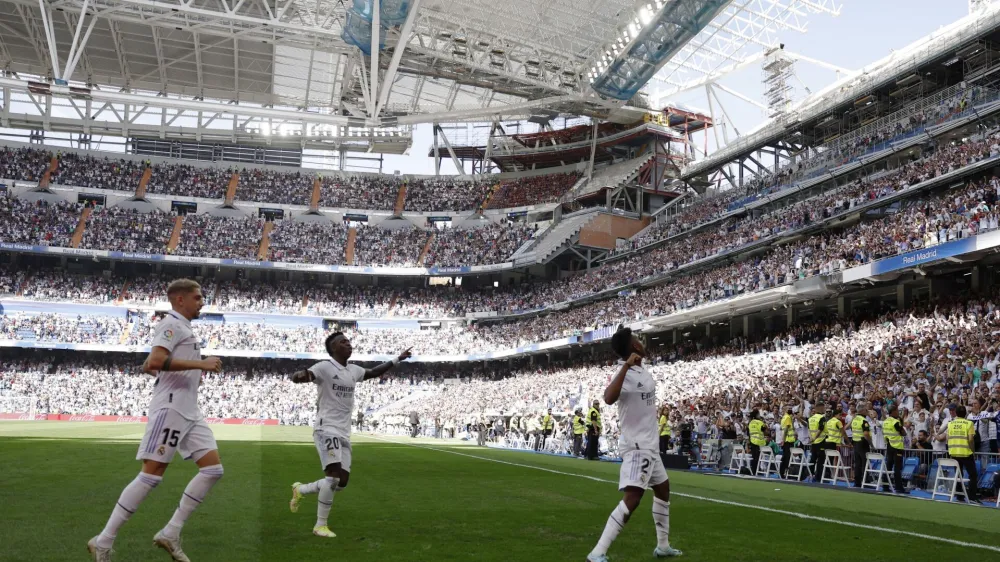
<point>182,286</point>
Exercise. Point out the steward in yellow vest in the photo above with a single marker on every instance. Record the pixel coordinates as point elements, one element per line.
<point>892,429</point>
<point>579,430</point>
<point>788,428</point>
<point>817,434</point>
<point>961,439</point>
<point>758,439</point>
<point>862,438</point>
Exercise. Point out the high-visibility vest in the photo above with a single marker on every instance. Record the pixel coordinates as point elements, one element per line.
<point>789,427</point>
<point>833,426</point>
<point>858,428</point>
<point>815,431</point>
<point>579,426</point>
<point>958,437</point>
<point>594,418</point>
<point>547,422</point>
<point>757,433</point>
<point>892,437</point>
<point>664,426</point>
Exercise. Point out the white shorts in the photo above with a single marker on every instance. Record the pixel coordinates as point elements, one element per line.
<point>332,448</point>
<point>167,432</point>
<point>641,469</point>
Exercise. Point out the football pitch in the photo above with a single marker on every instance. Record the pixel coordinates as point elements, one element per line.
<point>424,500</point>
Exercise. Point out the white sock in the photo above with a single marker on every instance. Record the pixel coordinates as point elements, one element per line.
<point>194,494</point>
<point>326,489</point>
<point>128,503</point>
<point>312,487</point>
<point>614,526</point>
<point>661,518</point>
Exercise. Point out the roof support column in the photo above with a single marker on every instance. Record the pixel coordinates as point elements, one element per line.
<point>50,35</point>
<point>373,89</point>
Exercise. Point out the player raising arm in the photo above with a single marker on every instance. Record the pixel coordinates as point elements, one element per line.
<point>335,381</point>
<point>175,424</point>
<point>634,390</point>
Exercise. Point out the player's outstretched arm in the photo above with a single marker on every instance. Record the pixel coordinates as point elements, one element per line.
<point>384,367</point>
<point>614,389</point>
<point>302,376</point>
<point>159,359</point>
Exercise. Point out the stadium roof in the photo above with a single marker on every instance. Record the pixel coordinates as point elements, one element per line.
<point>464,59</point>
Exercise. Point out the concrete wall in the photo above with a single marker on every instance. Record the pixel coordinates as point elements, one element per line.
<point>605,230</point>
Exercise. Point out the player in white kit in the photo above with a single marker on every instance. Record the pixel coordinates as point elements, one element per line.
<point>175,424</point>
<point>335,381</point>
<point>634,389</point>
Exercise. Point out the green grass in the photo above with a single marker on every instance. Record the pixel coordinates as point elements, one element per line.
<point>59,481</point>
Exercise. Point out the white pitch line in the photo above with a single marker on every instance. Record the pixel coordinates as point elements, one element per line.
<point>724,502</point>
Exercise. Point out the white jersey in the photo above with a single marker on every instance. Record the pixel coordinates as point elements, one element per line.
<point>177,390</point>
<point>335,384</point>
<point>637,415</point>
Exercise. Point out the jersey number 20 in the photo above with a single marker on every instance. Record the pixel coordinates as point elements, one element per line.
<point>333,443</point>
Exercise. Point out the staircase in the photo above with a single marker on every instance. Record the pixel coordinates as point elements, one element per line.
<point>125,334</point>
<point>47,176</point>
<point>486,204</point>
<point>265,241</point>
<point>314,198</point>
<point>175,236</point>
<point>81,226</point>
<point>231,190</point>
<point>140,192</point>
<point>392,305</point>
<point>397,210</point>
<point>121,295</point>
<point>559,236</point>
<point>304,309</point>
<point>426,250</point>
<point>352,237</point>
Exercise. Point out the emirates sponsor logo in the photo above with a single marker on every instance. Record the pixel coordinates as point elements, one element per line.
<point>81,418</point>
<point>26,417</point>
<point>128,419</point>
<point>253,422</point>
<point>214,421</point>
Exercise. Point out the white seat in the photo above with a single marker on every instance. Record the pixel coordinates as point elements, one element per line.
<point>797,461</point>
<point>765,463</point>
<point>706,453</point>
<point>835,468</point>
<point>949,480</point>
<point>875,466</point>
<point>738,459</point>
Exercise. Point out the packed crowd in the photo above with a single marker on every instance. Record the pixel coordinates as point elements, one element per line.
<point>189,181</point>
<point>81,170</point>
<point>444,194</point>
<point>494,243</point>
<point>873,137</point>
<point>922,361</point>
<point>47,327</point>
<point>308,242</point>
<point>283,188</point>
<point>23,164</point>
<point>534,190</point>
<point>367,191</point>
<point>381,246</point>
<point>38,222</point>
<point>375,192</point>
<point>128,230</point>
<point>220,237</point>
<point>116,386</point>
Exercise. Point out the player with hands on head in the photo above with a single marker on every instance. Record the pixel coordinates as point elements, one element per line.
<point>175,423</point>
<point>634,390</point>
<point>335,381</point>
